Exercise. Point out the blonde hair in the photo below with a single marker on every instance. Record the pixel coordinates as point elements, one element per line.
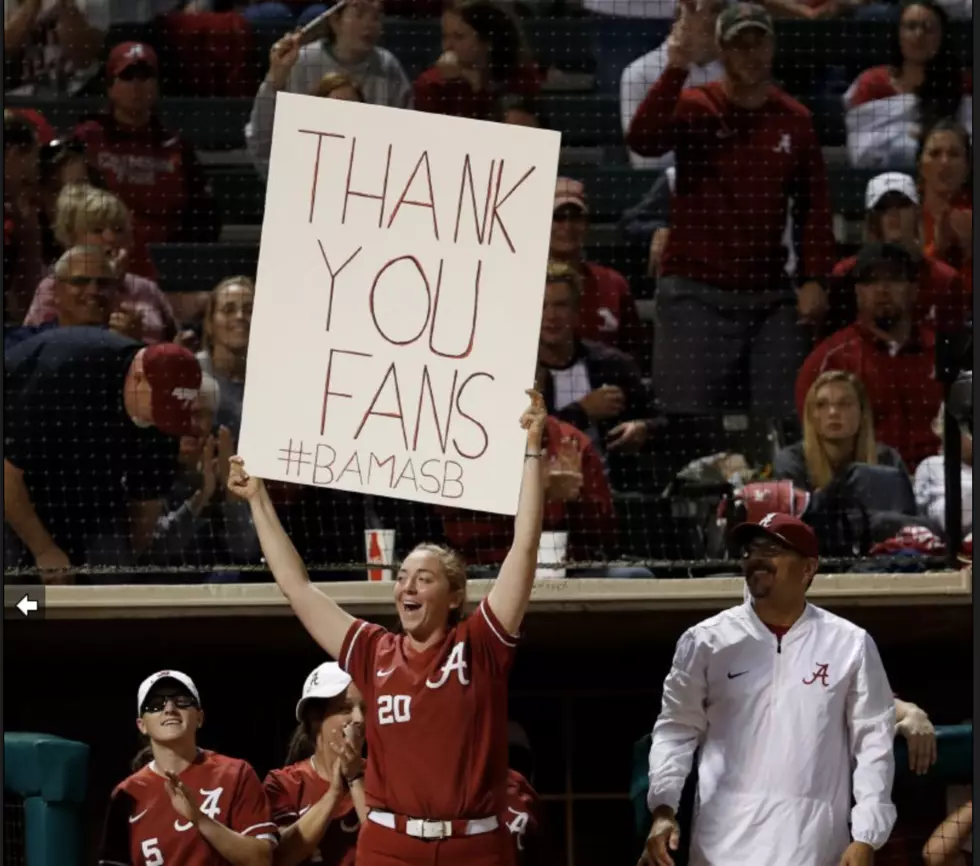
<point>83,209</point>
<point>209,307</point>
<point>818,466</point>
<point>455,568</point>
<point>334,81</point>
<point>560,272</point>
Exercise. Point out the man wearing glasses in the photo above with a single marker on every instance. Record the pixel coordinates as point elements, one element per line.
<point>792,712</point>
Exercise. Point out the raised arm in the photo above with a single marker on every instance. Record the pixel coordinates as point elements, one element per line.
<point>512,589</point>
<point>323,618</point>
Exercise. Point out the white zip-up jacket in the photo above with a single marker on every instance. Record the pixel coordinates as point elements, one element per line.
<point>789,730</point>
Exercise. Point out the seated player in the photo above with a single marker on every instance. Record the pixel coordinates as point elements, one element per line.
<point>184,804</point>
<point>436,690</point>
<point>317,799</point>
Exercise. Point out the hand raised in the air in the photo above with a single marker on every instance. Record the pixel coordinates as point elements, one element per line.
<point>240,483</point>
<point>533,420</point>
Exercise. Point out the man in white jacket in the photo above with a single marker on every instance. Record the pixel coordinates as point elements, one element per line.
<point>791,708</point>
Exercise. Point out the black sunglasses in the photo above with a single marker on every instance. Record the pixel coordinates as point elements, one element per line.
<point>158,703</point>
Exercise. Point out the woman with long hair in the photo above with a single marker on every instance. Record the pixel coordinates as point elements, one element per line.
<point>838,430</point>
<point>888,108</point>
<point>484,64</point>
<point>184,804</point>
<point>226,325</point>
<point>317,799</point>
<point>436,689</point>
<point>945,165</point>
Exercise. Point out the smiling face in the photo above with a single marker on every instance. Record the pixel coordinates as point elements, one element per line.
<point>170,715</point>
<point>425,598</point>
<point>346,711</point>
<point>776,573</point>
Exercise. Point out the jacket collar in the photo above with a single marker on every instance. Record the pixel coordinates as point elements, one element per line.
<point>801,626</point>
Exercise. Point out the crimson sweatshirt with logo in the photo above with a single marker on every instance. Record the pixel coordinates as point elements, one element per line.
<point>741,174</point>
<point>157,174</point>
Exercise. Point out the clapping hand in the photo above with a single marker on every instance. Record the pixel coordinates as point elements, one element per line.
<point>182,800</point>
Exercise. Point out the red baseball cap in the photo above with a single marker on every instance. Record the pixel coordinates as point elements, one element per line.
<point>787,530</point>
<point>127,54</point>
<point>174,375</point>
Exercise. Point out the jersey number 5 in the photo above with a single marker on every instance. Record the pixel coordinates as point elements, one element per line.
<point>394,709</point>
<point>152,855</point>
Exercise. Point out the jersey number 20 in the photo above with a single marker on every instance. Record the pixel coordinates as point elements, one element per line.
<point>394,709</point>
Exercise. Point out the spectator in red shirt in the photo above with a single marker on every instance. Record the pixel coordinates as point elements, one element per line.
<point>892,354</point>
<point>578,500</point>
<point>483,60</point>
<point>727,322</point>
<point>608,312</point>
<point>946,182</point>
<point>892,203</point>
<point>152,169</point>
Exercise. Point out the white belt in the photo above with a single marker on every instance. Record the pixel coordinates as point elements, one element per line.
<point>422,829</point>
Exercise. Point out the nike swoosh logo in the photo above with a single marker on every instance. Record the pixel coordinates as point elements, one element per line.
<point>134,818</point>
<point>732,676</point>
<point>387,673</point>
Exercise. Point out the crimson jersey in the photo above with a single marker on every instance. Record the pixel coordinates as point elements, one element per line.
<point>522,817</point>
<point>436,720</point>
<point>293,790</point>
<point>142,828</point>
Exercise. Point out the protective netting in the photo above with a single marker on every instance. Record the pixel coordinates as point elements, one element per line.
<point>13,830</point>
<point>709,343</point>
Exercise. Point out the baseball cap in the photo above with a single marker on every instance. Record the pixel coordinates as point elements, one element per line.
<point>174,375</point>
<point>325,681</point>
<point>127,54</point>
<point>742,16</point>
<point>891,181</point>
<point>569,191</point>
<point>876,259</point>
<point>787,530</point>
<point>165,676</point>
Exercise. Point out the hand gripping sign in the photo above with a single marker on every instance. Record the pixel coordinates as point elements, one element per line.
<point>398,303</point>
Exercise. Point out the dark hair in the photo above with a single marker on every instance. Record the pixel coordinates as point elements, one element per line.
<point>501,31</point>
<point>144,755</point>
<point>948,124</point>
<point>893,259</point>
<point>302,744</point>
<point>942,87</point>
<point>18,131</point>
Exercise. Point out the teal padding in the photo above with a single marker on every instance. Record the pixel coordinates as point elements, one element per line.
<point>40,765</point>
<point>51,774</point>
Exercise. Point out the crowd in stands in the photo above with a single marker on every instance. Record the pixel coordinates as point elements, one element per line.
<point>732,333</point>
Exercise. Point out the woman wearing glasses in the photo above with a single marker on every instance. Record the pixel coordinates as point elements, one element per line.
<point>184,804</point>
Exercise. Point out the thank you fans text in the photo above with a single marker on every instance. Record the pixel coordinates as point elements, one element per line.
<point>396,319</point>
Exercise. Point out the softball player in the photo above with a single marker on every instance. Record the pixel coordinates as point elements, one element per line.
<point>184,805</point>
<point>317,799</point>
<point>435,692</point>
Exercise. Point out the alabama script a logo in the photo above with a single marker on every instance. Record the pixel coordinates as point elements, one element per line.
<point>820,674</point>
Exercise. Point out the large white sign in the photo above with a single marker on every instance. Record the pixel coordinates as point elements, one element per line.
<point>398,302</point>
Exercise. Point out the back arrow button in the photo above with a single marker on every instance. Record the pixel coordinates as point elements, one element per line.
<point>26,605</point>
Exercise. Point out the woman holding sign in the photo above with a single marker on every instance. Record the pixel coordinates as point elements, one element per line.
<point>436,691</point>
